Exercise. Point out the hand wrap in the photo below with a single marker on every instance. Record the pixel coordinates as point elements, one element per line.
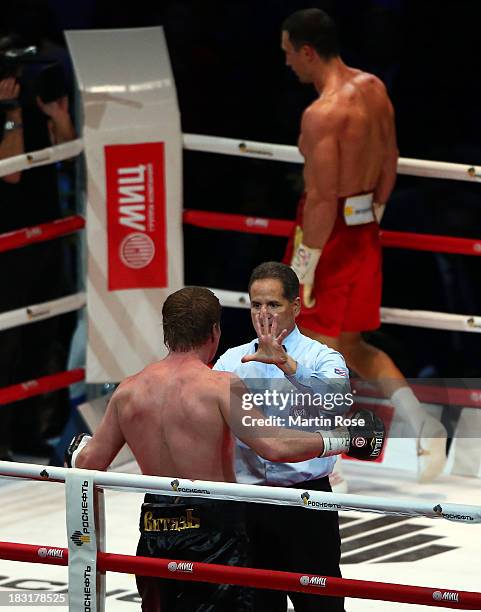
<point>379,211</point>
<point>304,263</point>
<point>76,445</point>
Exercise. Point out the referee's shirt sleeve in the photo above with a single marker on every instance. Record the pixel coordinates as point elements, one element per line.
<point>219,365</point>
<point>331,365</point>
<point>327,377</point>
<point>333,370</point>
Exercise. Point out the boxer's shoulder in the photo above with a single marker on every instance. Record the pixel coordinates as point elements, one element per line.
<point>324,118</point>
<point>367,79</point>
<point>316,116</point>
<point>361,91</point>
<point>219,378</point>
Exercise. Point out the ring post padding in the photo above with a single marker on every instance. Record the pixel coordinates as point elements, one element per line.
<point>82,541</point>
<point>101,536</point>
<point>133,151</point>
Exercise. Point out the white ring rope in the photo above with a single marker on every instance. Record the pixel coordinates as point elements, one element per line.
<point>259,150</point>
<point>397,316</point>
<point>242,148</point>
<point>236,299</point>
<point>316,500</point>
<point>432,320</point>
<point>39,312</point>
<point>42,157</point>
<point>289,153</point>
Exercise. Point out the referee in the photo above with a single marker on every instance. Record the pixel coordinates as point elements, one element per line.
<point>287,538</point>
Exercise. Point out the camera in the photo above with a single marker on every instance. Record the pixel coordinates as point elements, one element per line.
<point>46,78</point>
<point>49,83</point>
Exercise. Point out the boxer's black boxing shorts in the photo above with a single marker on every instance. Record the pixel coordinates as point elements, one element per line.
<point>194,529</point>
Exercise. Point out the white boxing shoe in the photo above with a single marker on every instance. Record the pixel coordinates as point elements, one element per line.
<point>431,449</point>
<point>336,477</point>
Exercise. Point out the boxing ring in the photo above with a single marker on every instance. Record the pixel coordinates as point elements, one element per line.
<point>353,507</point>
<point>50,553</point>
<point>389,530</point>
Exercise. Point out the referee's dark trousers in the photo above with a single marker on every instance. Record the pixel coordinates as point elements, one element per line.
<point>294,539</point>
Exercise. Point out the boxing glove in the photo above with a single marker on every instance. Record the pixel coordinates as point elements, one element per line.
<point>363,442</point>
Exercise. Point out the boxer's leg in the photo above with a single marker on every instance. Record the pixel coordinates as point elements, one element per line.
<point>153,591</point>
<point>321,530</point>
<point>267,550</point>
<point>363,313</point>
<point>373,364</point>
<point>370,362</point>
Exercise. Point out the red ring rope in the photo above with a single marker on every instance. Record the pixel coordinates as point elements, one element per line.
<point>40,233</point>
<point>449,396</point>
<point>45,384</point>
<point>243,576</point>
<point>257,225</point>
<point>241,223</point>
<point>279,227</point>
<point>238,223</point>
<point>430,242</point>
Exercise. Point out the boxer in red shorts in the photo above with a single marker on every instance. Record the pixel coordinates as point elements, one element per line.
<point>348,141</point>
<point>346,295</point>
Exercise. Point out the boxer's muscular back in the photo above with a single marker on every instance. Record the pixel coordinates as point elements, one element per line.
<point>363,114</point>
<point>171,420</point>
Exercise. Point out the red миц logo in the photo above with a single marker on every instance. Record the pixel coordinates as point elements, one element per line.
<point>319,581</point>
<point>181,566</point>
<point>136,216</point>
<point>446,596</point>
<point>137,251</point>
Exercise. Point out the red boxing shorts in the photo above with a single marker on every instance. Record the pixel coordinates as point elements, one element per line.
<point>348,280</point>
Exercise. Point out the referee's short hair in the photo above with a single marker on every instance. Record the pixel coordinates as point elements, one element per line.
<point>279,271</point>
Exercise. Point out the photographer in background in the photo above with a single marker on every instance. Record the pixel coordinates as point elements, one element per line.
<point>34,113</point>
<point>30,78</point>
<point>11,128</point>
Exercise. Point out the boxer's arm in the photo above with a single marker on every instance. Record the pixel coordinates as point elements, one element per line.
<point>387,178</point>
<point>271,442</point>
<point>107,441</point>
<point>363,440</point>
<point>12,143</point>
<point>320,141</point>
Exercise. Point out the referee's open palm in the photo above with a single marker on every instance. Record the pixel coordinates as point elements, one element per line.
<point>269,348</point>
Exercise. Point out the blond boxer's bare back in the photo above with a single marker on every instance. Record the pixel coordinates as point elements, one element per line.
<point>170,415</point>
<point>358,112</point>
<point>176,416</point>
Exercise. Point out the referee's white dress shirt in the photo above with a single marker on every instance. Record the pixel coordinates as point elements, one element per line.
<point>316,362</point>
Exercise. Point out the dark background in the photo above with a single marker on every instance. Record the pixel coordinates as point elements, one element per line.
<point>232,82</point>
